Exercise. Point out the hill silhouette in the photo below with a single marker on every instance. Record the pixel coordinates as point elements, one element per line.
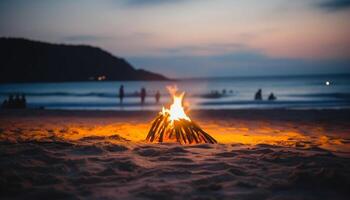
<point>23,60</point>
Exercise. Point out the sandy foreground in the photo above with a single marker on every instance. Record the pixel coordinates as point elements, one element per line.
<point>261,154</point>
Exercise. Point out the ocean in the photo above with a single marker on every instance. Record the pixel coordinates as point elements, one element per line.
<point>292,92</point>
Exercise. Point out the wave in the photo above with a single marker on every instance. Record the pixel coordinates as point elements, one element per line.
<point>277,102</point>
<point>110,94</point>
<point>337,95</point>
<point>202,105</point>
<point>69,94</point>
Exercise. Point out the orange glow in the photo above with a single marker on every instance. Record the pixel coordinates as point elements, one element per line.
<point>134,129</point>
<point>176,111</point>
<point>173,125</point>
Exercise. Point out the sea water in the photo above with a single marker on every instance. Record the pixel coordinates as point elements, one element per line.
<point>292,92</point>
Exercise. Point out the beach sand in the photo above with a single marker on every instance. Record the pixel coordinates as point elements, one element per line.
<point>261,154</point>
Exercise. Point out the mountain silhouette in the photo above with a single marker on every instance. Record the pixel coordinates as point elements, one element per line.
<point>23,60</point>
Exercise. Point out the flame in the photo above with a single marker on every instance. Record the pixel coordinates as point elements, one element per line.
<point>176,110</point>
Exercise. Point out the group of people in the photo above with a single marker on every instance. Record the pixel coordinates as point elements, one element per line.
<point>15,101</point>
<point>19,100</point>
<point>258,96</point>
<point>143,95</point>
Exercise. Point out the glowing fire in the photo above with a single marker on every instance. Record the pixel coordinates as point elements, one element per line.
<point>176,111</point>
<point>173,125</point>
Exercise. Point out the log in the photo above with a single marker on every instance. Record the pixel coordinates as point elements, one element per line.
<point>181,131</point>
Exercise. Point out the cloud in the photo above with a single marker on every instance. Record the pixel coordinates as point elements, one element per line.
<point>117,37</point>
<point>84,38</point>
<point>204,49</point>
<point>240,63</point>
<point>137,3</point>
<point>335,5</point>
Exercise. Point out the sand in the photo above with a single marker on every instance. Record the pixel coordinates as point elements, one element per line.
<point>261,154</point>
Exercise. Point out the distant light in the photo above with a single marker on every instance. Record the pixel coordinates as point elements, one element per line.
<point>101,78</point>
<point>328,83</point>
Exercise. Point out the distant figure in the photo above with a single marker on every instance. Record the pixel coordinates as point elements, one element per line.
<point>121,94</point>
<point>143,95</point>
<point>272,97</point>
<point>11,102</point>
<point>5,104</point>
<point>157,96</point>
<point>258,95</point>
<point>23,101</point>
<point>17,101</point>
<point>224,91</point>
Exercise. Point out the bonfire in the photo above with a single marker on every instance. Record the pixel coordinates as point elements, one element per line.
<point>173,125</point>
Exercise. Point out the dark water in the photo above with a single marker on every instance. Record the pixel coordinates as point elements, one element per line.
<point>295,92</point>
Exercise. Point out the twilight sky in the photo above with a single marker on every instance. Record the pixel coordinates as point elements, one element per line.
<point>196,38</point>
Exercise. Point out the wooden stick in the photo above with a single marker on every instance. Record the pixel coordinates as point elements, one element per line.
<point>183,131</point>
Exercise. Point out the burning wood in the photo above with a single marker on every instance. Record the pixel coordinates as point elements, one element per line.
<point>173,125</point>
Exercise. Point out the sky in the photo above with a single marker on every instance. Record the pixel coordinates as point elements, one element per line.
<point>196,38</point>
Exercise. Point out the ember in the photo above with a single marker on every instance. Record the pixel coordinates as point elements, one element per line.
<point>173,125</point>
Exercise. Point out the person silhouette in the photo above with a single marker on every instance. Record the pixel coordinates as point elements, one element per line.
<point>17,101</point>
<point>258,95</point>
<point>121,94</point>
<point>23,101</point>
<point>10,101</point>
<point>5,104</point>
<point>143,95</point>
<point>272,97</point>
<point>157,96</point>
